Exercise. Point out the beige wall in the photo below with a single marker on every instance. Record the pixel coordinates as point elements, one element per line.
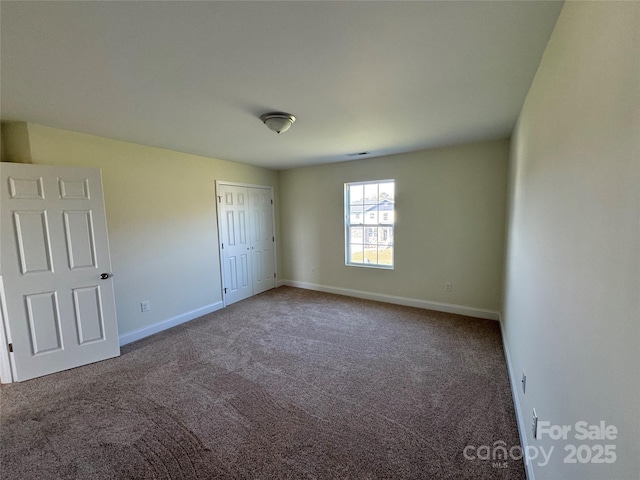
<point>450,224</point>
<point>161,215</point>
<point>14,142</point>
<point>572,297</point>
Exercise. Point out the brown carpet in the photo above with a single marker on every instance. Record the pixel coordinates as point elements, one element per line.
<point>288,384</point>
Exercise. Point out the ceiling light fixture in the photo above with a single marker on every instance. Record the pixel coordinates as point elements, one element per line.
<point>358,154</point>
<point>278,121</point>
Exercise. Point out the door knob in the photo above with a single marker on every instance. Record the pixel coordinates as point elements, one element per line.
<point>104,276</point>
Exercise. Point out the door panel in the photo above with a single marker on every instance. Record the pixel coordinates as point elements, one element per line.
<point>88,308</point>
<point>27,188</point>
<point>32,238</point>
<point>74,189</point>
<point>230,226</point>
<point>79,239</point>
<point>54,247</point>
<point>44,322</point>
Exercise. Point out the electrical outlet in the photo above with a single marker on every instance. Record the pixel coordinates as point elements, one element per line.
<point>448,287</point>
<point>534,424</point>
<point>145,306</point>
<point>524,382</point>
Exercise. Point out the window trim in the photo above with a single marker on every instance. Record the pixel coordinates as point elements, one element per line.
<point>347,225</point>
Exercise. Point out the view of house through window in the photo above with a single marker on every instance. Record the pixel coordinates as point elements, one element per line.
<point>369,218</point>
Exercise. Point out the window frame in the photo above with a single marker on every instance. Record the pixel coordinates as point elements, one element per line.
<point>379,224</point>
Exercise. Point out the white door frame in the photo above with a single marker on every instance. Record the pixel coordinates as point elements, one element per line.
<point>273,219</point>
<point>6,375</point>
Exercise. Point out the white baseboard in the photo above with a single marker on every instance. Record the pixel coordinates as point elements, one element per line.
<point>522,425</point>
<point>409,302</point>
<point>166,324</point>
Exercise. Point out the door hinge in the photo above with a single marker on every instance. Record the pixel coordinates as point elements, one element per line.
<point>225,290</point>
<point>222,246</point>
<point>272,201</point>
<point>273,239</point>
<point>11,348</point>
<point>274,275</point>
<point>219,198</point>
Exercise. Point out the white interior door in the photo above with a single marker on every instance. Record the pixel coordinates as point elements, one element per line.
<point>262,239</point>
<point>56,269</point>
<point>234,243</point>
<point>247,241</point>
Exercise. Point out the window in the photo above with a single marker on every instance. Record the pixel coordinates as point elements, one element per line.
<point>369,217</point>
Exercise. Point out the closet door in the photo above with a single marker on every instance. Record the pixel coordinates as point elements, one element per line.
<point>235,249</point>
<point>262,239</point>
<point>247,240</point>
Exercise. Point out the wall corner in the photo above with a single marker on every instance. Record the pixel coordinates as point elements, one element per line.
<point>14,141</point>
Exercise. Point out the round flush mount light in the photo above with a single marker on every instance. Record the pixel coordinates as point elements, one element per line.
<point>278,121</point>
<point>357,154</point>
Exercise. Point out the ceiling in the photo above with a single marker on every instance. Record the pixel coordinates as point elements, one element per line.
<point>360,76</point>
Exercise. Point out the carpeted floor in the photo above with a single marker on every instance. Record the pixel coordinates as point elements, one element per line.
<point>285,385</point>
